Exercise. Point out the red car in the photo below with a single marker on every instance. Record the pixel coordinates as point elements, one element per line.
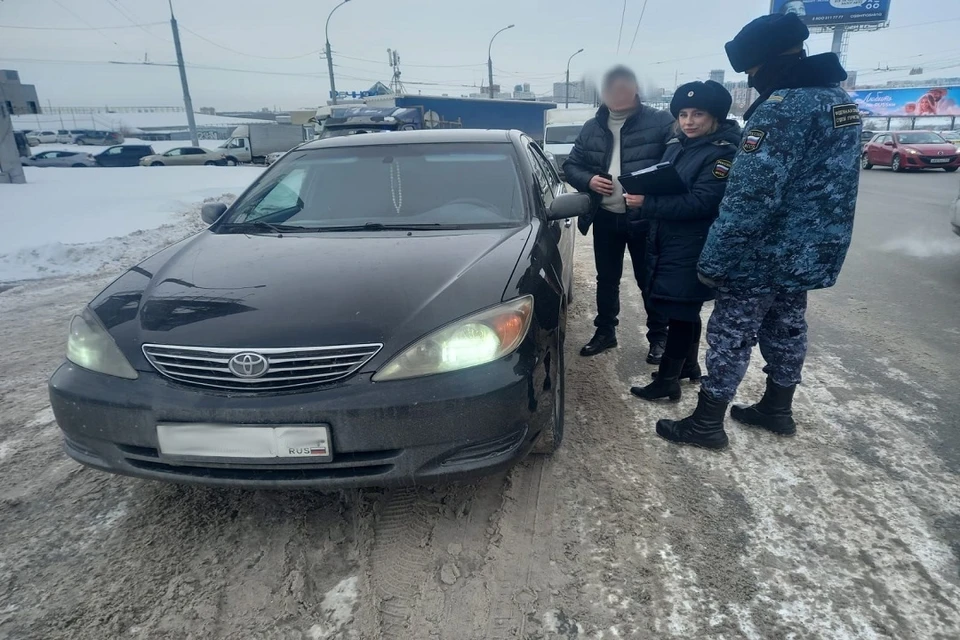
<point>903,150</point>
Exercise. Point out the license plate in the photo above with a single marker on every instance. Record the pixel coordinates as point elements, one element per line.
<point>239,441</point>
<point>940,160</point>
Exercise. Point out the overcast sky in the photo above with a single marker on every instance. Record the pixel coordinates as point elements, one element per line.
<point>442,44</point>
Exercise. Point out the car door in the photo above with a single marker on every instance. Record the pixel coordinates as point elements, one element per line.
<point>559,233</point>
<point>193,155</point>
<point>881,152</point>
<point>42,159</point>
<point>173,157</point>
<point>567,232</point>
<point>112,157</point>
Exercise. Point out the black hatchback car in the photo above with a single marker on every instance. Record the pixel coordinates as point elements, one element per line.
<point>373,310</point>
<point>123,155</point>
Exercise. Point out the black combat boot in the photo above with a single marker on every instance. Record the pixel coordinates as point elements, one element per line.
<point>655,354</point>
<point>774,412</point>
<point>691,367</point>
<point>605,338</point>
<point>703,429</point>
<point>666,385</point>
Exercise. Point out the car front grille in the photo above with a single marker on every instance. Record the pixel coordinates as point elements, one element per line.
<point>292,368</point>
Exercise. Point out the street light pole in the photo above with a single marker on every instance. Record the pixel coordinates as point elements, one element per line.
<point>566,99</point>
<point>326,31</point>
<point>490,60</point>
<point>187,102</point>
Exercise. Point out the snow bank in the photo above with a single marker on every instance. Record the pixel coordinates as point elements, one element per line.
<point>80,221</point>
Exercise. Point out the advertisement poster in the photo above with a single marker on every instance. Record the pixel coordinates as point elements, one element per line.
<point>828,13</point>
<point>913,101</point>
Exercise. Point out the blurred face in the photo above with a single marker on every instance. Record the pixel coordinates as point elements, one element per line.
<point>695,123</point>
<point>621,94</point>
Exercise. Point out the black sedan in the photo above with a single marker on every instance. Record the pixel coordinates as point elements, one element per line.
<point>373,310</point>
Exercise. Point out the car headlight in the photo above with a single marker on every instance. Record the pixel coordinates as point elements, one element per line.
<point>913,152</point>
<point>478,339</point>
<point>90,346</point>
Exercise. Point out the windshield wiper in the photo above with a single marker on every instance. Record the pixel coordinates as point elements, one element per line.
<point>261,225</point>
<point>377,226</point>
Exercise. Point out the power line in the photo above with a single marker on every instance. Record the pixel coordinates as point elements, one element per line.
<point>84,21</point>
<point>128,16</point>
<point>407,64</point>
<point>637,30</point>
<point>123,26</point>
<point>623,15</point>
<point>241,53</point>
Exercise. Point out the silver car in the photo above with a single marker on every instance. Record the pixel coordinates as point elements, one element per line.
<point>60,159</point>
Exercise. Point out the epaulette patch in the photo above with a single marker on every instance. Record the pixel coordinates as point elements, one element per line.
<point>722,169</point>
<point>752,140</point>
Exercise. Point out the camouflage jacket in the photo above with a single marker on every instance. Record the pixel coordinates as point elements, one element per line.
<point>786,220</point>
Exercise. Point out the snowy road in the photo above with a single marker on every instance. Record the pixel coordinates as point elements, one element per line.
<point>848,531</point>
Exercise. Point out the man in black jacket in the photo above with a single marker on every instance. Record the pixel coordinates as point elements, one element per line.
<point>624,137</point>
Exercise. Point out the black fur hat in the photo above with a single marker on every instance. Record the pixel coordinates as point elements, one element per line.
<point>765,38</point>
<point>709,96</point>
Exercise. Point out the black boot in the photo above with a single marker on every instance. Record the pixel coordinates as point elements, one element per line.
<point>774,412</point>
<point>605,338</point>
<point>655,354</point>
<point>691,366</point>
<point>666,385</point>
<point>703,429</point>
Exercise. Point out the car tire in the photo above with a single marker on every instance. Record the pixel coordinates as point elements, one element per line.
<point>231,162</point>
<point>950,169</point>
<point>896,165</point>
<point>78,165</point>
<point>865,162</point>
<point>156,164</point>
<point>210,163</point>
<point>552,436</point>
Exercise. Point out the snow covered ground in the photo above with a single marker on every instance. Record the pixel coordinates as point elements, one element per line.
<point>73,221</point>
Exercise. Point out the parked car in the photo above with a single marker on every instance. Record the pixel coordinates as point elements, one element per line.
<point>183,156</point>
<point>270,158</point>
<point>124,155</point>
<point>953,137</point>
<point>263,353</point>
<point>867,136</point>
<point>45,136</point>
<point>99,137</point>
<point>60,159</point>
<point>902,150</point>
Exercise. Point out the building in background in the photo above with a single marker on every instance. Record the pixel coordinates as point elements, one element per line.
<point>718,75</point>
<point>18,98</point>
<point>580,91</point>
<point>743,96</point>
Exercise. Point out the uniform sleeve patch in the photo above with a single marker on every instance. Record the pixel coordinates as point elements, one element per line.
<point>752,141</point>
<point>846,115</point>
<point>722,169</point>
<point>775,99</point>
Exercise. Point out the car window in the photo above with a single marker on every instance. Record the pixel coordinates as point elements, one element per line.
<point>566,134</point>
<point>193,151</point>
<point>920,137</point>
<point>115,151</point>
<point>44,155</point>
<point>552,176</point>
<point>237,143</point>
<point>174,152</point>
<point>541,175</point>
<point>463,184</point>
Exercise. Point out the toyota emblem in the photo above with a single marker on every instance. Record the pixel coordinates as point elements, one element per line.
<point>248,365</point>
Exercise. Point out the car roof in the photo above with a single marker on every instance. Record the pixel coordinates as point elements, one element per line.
<point>415,137</point>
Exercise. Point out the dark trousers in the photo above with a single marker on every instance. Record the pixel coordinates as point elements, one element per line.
<point>777,322</point>
<point>683,343</point>
<point>610,242</point>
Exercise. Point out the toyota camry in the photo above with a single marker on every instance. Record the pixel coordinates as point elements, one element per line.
<point>373,310</point>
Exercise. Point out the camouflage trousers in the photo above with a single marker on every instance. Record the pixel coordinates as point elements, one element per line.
<point>777,322</point>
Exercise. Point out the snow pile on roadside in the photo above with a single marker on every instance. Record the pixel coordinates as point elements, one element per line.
<point>82,221</point>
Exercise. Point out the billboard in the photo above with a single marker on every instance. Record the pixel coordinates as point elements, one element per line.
<point>912,101</point>
<point>830,13</point>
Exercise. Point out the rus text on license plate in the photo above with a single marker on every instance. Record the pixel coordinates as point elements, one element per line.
<point>940,160</point>
<point>245,441</point>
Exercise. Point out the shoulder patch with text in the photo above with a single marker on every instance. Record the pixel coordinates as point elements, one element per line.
<point>752,140</point>
<point>722,169</point>
<point>846,115</point>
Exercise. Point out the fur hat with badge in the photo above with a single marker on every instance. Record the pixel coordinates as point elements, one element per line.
<point>707,96</point>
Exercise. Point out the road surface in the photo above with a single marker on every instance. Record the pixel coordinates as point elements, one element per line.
<point>850,530</point>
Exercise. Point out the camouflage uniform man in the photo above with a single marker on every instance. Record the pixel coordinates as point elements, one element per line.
<point>784,228</point>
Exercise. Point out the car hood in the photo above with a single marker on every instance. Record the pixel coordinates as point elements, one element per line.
<point>262,291</point>
<point>933,149</point>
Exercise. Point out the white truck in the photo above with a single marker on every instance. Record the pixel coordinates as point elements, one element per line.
<point>560,130</point>
<point>254,142</point>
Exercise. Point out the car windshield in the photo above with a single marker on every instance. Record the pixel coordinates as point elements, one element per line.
<point>566,134</point>
<point>382,186</point>
<point>920,137</point>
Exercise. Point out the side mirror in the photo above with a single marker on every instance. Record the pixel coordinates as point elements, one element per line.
<point>569,205</point>
<point>211,211</point>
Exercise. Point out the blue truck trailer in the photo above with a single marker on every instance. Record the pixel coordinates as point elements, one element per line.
<point>405,112</point>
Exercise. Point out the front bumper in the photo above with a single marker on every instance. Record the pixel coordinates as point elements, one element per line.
<point>442,427</point>
<point>927,162</point>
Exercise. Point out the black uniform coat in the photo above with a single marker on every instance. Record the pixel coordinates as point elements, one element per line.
<point>643,141</point>
<point>678,225</point>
